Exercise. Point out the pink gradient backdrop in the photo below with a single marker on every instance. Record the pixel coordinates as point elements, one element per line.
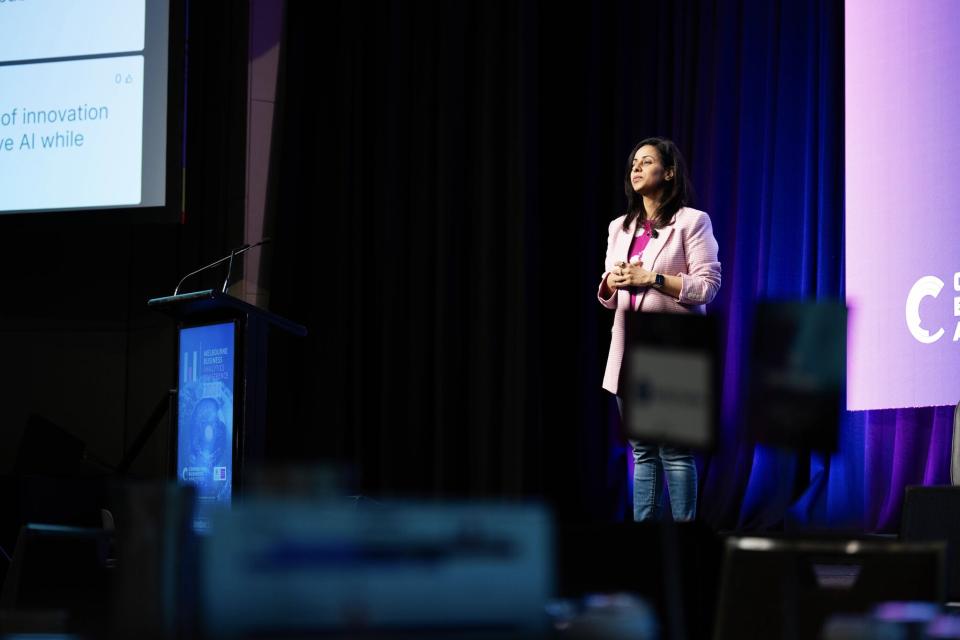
<point>902,198</point>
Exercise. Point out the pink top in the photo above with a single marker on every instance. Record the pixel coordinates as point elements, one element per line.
<point>636,248</point>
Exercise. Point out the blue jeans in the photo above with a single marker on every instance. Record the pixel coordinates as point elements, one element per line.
<point>649,463</point>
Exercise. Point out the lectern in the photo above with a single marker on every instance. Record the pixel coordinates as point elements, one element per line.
<point>221,391</point>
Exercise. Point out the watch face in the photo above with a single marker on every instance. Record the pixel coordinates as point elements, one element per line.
<point>659,282</point>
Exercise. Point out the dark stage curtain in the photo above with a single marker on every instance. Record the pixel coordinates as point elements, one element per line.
<point>407,215</point>
<point>446,175</point>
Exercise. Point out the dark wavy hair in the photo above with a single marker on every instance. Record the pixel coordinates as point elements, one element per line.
<point>677,193</point>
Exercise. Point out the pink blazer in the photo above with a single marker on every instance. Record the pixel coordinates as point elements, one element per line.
<point>685,248</point>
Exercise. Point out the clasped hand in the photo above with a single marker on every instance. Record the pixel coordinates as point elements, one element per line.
<point>629,275</point>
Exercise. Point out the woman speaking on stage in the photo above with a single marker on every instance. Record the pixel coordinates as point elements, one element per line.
<point>661,257</point>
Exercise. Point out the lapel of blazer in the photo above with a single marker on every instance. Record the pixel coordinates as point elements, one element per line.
<point>652,251</point>
<point>625,240</point>
<point>622,252</point>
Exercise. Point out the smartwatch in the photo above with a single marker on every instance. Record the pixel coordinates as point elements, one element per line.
<point>659,281</point>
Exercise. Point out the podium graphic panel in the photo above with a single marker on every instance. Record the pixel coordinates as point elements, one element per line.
<point>205,414</point>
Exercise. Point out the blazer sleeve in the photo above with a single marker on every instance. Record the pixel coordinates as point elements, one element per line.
<point>702,280</point>
<point>611,302</point>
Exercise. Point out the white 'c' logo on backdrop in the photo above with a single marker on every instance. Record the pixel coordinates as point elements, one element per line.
<point>925,286</point>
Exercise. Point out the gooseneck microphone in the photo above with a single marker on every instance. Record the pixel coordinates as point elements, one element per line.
<point>229,258</point>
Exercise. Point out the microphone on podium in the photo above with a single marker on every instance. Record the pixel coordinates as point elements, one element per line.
<point>233,254</point>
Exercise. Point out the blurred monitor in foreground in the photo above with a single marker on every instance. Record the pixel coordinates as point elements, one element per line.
<point>797,369</point>
<point>670,379</point>
<point>789,588</point>
<point>273,567</point>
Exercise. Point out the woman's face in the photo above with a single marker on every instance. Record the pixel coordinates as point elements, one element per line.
<point>647,174</point>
